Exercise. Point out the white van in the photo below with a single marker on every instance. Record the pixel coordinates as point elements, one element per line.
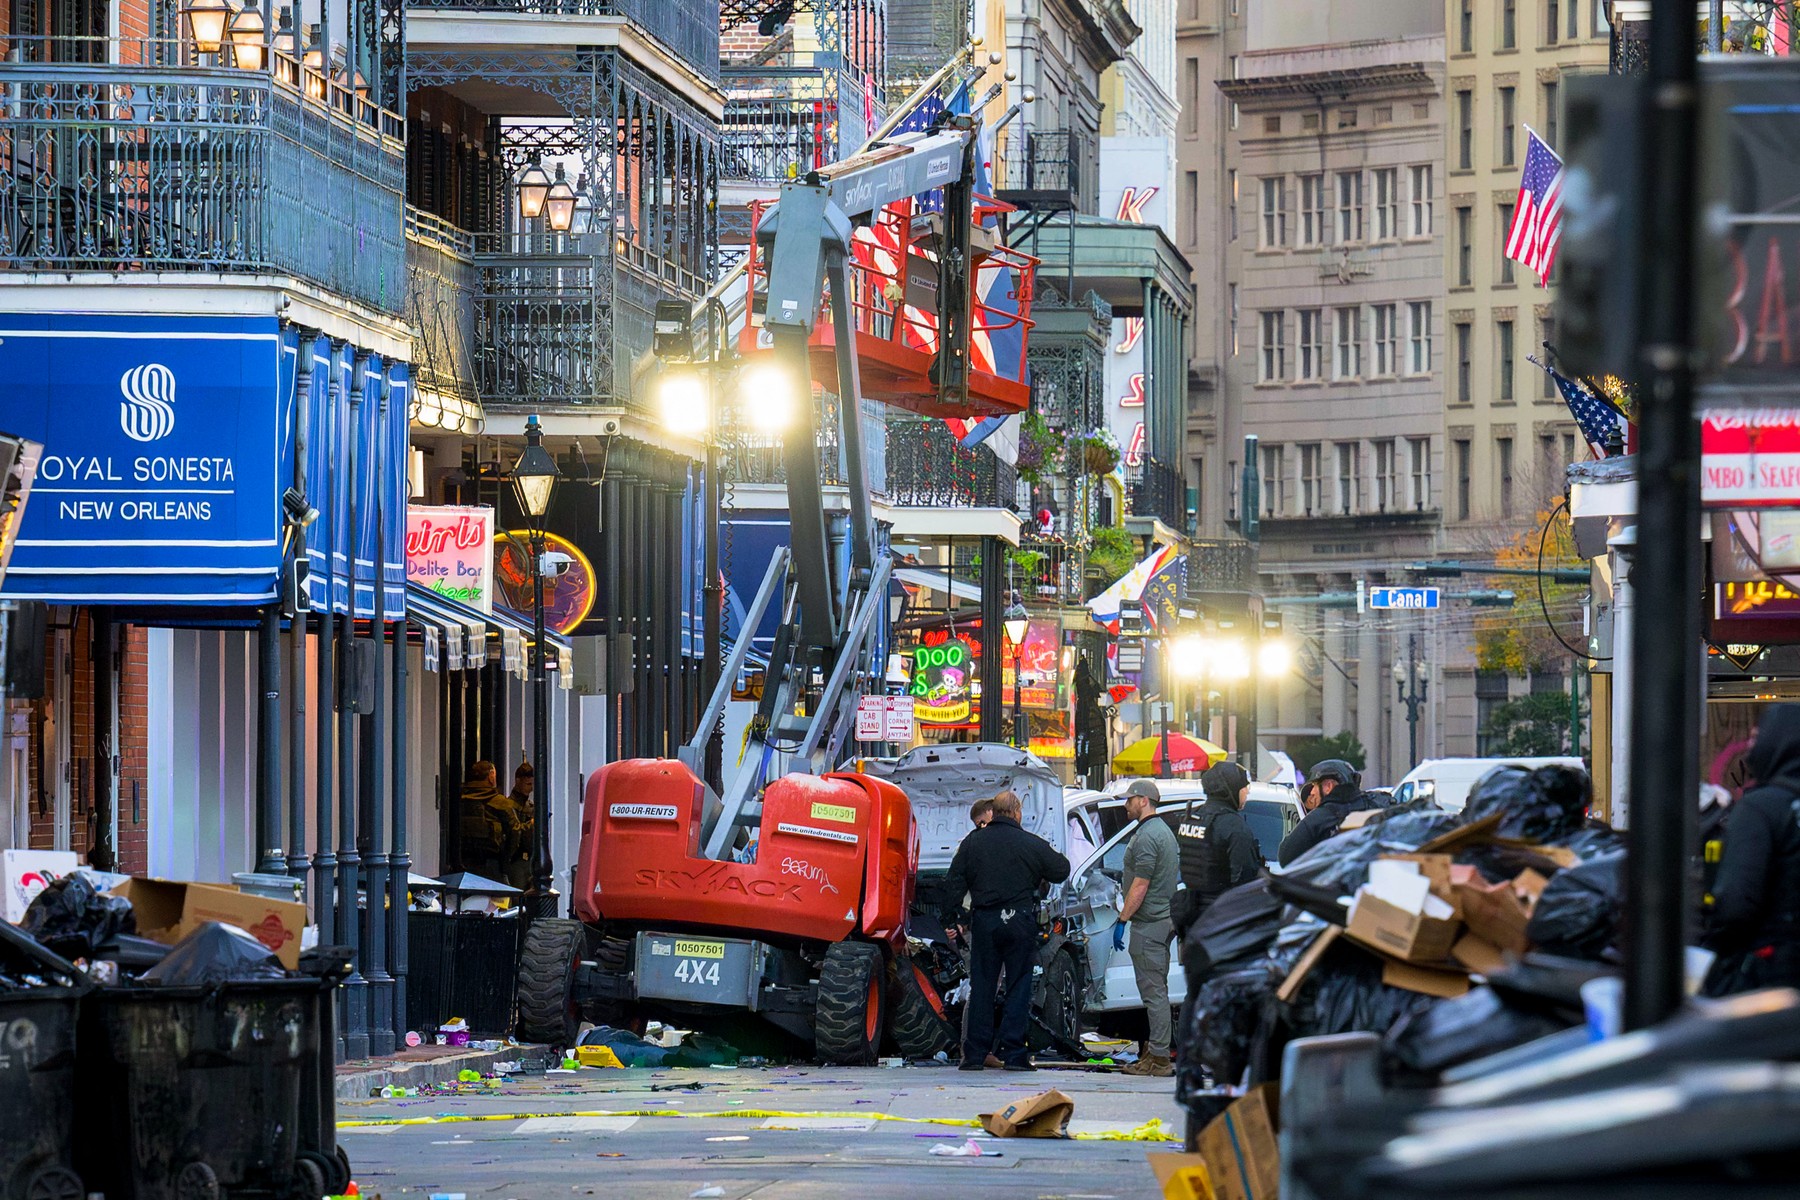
<point>1448,781</point>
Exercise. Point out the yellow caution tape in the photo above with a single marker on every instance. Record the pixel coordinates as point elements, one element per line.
<point>760,1114</point>
<point>1152,1130</point>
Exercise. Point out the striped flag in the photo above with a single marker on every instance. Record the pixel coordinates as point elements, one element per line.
<point>1537,220</point>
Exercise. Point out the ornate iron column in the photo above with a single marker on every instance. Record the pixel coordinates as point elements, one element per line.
<point>374,797</point>
<point>324,860</point>
<point>305,341</point>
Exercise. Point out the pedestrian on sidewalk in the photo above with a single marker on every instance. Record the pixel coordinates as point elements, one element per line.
<point>1002,868</point>
<point>524,820</point>
<point>488,829</point>
<point>1152,869</point>
<point>1755,926</point>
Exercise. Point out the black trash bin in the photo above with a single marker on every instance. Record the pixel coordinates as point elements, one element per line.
<point>38,1027</point>
<point>196,1093</point>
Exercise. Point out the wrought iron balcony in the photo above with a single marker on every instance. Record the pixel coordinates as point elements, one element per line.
<point>155,164</point>
<point>1049,570</point>
<point>1047,170</point>
<point>1221,565</point>
<point>778,124</point>
<point>440,307</point>
<point>1159,491</point>
<point>750,457</point>
<point>689,29</point>
<point>928,468</point>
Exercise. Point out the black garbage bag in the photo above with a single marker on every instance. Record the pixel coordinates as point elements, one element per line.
<point>1593,840</point>
<point>1549,983</point>
<point>1578,913</point>
<point>215,953</point>
<point>1344,994</point>
<point>1473,1025</point>
<point>1240,924</point>
<point>1538,805</point>
<point>1342,862</point>
<point>1224,1018</point>
<point>703,1050</point>
<point>73,919</point>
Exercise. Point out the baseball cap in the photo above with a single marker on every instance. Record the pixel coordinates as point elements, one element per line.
<point>1146,789</point>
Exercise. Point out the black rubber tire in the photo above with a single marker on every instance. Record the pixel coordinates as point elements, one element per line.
<point>197,1181</point>
<point>54,1183</point>
<point>849,1017</point>
<point>546,993</point>
<point>308,1182</point>
<point>917,1024</point>
<point>334,1168</point>
<point>1059,1006</point>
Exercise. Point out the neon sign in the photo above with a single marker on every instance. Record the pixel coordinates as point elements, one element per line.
<point>941,684</point>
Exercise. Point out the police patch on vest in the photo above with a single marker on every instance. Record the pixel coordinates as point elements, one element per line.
<point>1197,832</point>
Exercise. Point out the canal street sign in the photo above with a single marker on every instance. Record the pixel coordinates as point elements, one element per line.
<point>1405,597</point>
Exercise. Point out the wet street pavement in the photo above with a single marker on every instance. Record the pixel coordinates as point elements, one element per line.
<point>794,1133</point>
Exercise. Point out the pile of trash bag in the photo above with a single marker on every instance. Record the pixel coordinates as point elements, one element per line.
<point>1242,951</point>
<point>72,918</point>
<point>215,953</point>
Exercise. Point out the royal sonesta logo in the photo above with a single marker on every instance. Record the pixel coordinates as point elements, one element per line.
<point>148,413</point>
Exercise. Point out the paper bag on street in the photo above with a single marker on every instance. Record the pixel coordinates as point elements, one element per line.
<point>1045,1115</point>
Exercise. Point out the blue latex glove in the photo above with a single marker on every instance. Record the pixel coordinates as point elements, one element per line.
<point>1119,936</point>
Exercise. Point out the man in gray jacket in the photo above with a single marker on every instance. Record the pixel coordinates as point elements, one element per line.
<point>1152,871</point>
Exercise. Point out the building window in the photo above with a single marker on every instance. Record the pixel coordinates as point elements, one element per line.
<point>1349,207</point>
<point>1274,213</point>
<point>1547,328</point>
<point>1312,481</point>
<point>1387,475</point>
<point>1509,120</point>
<point>1274,347</point>
<point>1463,372</point>
<point>1462,479</point>
<point>1568,447</point>
<point>1420,178</point>
<point>1552,97</point>
<point>1189,206</point>
<point>1465,131</point>
<point>1491,691</point>
<point>1272,124</point>
<point>1312,210</point>
<point>1547,463</point>
<point>1504,357</point>
<point>1418,317</point>
<point>1506,264</point>
<point>1600,25</point>
<point>1309,122</point>
<point>1551,26</point>
<point>1232,203</point>
<point>1190,91</point>
<point>1346,118</point>
<point>1509,24</point>
<point>1465,29</point>
<point>1234,108</point>
<point>1231,302</point>
<point>1419,451</point>
<point>1346,477</point>
<point>1465,246</point>
<point>1274,483</point>
<point>1387,203</point>
<point>1503,457</point>
<point>1387,339</point>
<point>1349,342</point>
<point>1312,343</point>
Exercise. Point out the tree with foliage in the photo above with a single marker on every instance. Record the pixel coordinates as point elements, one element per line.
<point>1534,726</point>
<point>1517,640</point>
<point>1308,752</point>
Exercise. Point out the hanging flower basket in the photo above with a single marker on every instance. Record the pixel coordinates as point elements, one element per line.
<point>1099,452</point>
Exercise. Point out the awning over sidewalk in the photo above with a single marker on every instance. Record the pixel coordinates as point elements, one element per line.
<point>457,636</point>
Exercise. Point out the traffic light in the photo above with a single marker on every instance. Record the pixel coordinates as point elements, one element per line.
<point>1489,599</point>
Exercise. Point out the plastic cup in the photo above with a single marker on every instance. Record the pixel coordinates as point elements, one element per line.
<point>1604,1000</point>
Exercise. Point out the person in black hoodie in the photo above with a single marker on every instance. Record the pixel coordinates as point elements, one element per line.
<point>1218,851</point>
<point>1755,927</point>
<point>1333,792</point>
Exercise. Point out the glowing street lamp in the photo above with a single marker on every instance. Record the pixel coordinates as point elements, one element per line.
<point>206,23</point>
<point>248,31</point>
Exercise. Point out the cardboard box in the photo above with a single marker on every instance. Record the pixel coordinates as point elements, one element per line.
<point>1393,930</point>
<point>1428,981</point>
<point>1494,912</point>
<point>1309,959</point>
<point>1436,868</point>
<point>1358,819</point>
<point>1181,1176</point>
<point>1045,1115</point>
<point>1478,954</point>
<point>1242,1155</point>
<point>168,910</point>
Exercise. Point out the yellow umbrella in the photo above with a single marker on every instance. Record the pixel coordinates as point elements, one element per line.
<point>1145,756</point>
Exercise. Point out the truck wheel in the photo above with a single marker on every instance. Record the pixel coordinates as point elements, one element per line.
<point>1060,1008</point>
<point>546,993</point>
<point>919,1025</point>
<point>847,1022</point>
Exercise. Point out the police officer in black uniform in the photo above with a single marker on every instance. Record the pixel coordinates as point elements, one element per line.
<point>1333,791</point>
<point>1218,851</point>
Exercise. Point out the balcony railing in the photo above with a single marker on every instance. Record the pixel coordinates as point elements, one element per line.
<point>928,468</point>
<point>778,125</point>
<point>1046,169</point>
<point>440,307</point>
<point>751,457</point>
<point>1159,491</point>
<point>1049,570</point>
<point>134,166</point>
<point>688,28</point>
<point>1221,565</point>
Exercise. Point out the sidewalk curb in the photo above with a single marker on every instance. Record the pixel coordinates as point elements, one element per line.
<point>373,1074</point>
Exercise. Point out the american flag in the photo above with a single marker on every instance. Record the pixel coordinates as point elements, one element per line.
<point>1598,419</point>
<point>1537,220</point>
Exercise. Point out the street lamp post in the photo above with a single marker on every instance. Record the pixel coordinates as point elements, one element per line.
<point>1017,624</point>
<point>1411,671</point>
<point>534,478</point>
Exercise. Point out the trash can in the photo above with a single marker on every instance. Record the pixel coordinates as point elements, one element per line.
<point>203,1092</point>
<point>38,1027</point>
